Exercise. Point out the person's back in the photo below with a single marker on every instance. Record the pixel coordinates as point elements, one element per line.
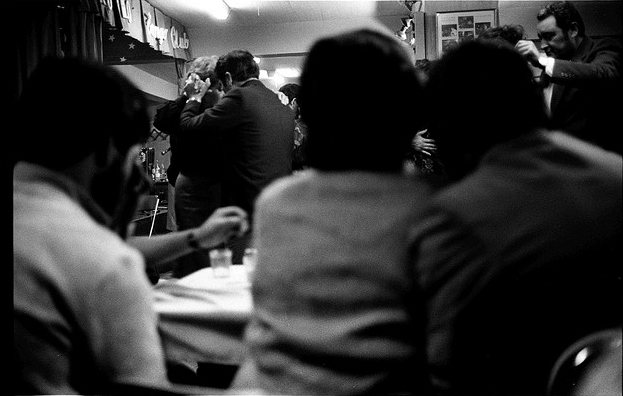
<point>257,149</point>
<point>519,256</point>
<point>82,302</point>
<point>333,281</point>
<point>72,279</point>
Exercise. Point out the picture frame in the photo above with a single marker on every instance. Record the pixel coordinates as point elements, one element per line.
<point>458,26</point>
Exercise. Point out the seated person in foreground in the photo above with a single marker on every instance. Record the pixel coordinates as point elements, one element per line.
<point>333,282</point>
<point>82,304</point>
<point>520,255</point>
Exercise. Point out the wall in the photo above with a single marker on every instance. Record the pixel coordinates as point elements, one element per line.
<point>602,17</point>
<point>282,38</point>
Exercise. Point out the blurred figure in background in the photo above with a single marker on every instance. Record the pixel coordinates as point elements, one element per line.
<point>255,129</point>
<point>519,256</point>
<point>333,285</point>
<point>421,157</point>
<point>300,129</point>
<point>82,304</point>
<point>581,76</point>
<point>510,34</point>
<point>199,159</point>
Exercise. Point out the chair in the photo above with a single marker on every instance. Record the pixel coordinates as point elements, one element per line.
<point>507,340</point>
<point>592,365</point>
<point>149,205</point>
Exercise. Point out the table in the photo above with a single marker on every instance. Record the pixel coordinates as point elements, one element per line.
<point>202,318</point>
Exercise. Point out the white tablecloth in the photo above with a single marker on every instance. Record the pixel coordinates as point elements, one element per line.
<point>202,318</point>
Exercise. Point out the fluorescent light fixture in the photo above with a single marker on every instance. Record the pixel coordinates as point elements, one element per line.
<point>278,79</point>
<point>242,4</point>
<point>216,8</point>
<point>288,72</point>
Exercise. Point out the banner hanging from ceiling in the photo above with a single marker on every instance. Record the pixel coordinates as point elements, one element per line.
<point>141,33</point>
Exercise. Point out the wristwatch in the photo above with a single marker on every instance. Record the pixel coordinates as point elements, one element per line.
<point>192,240</point>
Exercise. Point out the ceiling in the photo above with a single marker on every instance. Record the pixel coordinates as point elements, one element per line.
<point>249,12</point>
<point>252,13</point>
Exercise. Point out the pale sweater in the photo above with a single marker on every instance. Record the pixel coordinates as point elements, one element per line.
<point>333,289</point>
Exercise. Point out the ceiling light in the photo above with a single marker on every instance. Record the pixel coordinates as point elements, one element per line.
<point>279,79</point>
<point>216,8</point>
<point>288,72</point>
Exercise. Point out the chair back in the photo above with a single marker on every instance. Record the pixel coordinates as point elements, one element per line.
<point>149,204</point>
<point>590,366</point>
<point>507,340</point>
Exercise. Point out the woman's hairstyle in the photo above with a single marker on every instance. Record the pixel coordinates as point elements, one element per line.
<point>70,108</point>
<point>565,14</point>
<point>239,63</point>
<point>360,98</point>
<point>204,67</point>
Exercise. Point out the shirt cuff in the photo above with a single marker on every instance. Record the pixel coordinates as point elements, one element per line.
<point>548,64</point>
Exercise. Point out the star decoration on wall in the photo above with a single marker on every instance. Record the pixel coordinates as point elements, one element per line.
<point>121,48</point>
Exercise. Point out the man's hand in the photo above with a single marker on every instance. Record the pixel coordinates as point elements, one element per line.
<point>195,88</point>
<point>530,52</point>
<point>423,144</point>
<point>223,225</point>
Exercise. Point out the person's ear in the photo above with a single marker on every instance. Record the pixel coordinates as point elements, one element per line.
<point>574,30</point>
<point>228,79</point>
<point>294,104</point>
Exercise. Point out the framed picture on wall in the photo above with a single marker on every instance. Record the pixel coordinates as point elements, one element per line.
<point>456,27</point>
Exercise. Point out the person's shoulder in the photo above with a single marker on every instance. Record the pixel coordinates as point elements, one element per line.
<point>605,44</point>
<point>288,188</point>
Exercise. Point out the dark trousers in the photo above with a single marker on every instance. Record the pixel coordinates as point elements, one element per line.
<point>195,200</point>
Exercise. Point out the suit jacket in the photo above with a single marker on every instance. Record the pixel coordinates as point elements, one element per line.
<point>586,97</point>
<point>517,261</point>
<point>197,155</point>
<point>257,136</point>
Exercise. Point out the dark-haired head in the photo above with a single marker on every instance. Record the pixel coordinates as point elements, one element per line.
<point>480,94</point>
<point>360,99</point>
<point>566,16</point>
<point>291,90</point>
<point>240,64</point>
<point>70,109</point>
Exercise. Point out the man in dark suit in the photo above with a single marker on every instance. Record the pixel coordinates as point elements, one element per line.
<point>582,76</point>
<point>255,128</point>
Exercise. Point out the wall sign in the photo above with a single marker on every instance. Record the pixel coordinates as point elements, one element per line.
<point>456,27</point>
